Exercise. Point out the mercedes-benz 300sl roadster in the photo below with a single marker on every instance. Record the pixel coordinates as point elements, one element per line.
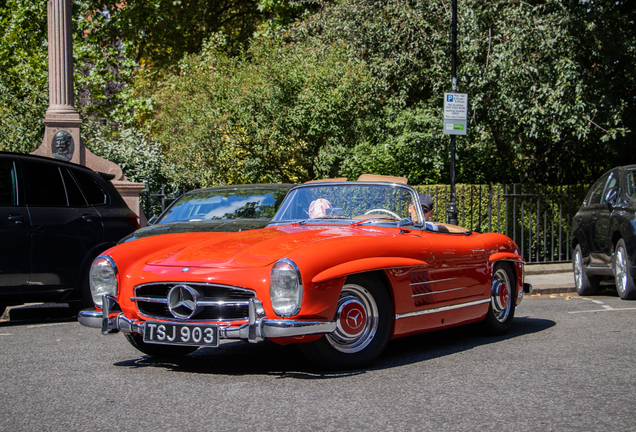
<point>342,268</point>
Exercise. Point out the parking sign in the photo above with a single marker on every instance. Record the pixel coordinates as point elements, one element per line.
<point>455,113</point>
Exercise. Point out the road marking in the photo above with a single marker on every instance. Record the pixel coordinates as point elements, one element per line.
<point>6,334</point>
<point>46,325</point>
<point>607,309</point>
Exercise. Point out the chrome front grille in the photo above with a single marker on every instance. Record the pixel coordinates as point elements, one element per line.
<point>216,302</point>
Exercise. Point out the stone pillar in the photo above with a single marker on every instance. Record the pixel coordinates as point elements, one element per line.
<point>62,121</point>
<point>61,135</point>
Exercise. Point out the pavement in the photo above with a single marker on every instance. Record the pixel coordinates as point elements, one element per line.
<point>550,278</point>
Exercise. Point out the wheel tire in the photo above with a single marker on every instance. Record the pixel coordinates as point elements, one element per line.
<point>501,311</point>
<point>157,350</point>
<point>624,281</point>
<point>585,285</point>
<point>353,344</point>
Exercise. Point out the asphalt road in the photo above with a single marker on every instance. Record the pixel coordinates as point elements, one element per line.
<point>568,364</point>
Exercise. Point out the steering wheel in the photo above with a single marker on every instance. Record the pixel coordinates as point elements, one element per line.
<point>383,211</point>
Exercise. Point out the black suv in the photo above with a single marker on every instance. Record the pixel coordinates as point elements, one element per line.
<point>55,218</point>
<point>604,229</point>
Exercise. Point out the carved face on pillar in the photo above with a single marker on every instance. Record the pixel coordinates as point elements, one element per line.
<point>62,146</point>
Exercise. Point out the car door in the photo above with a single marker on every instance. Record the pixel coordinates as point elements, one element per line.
<point>600,229</point>
<point>15,227</point>
<point>599,221</point>
<point>64,227</point>
<point>459,274</point>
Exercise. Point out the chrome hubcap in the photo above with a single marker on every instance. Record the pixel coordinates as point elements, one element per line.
<point>578,269</point>
<point>357,320</point>
<point>501,295</point>
<point>620,270</point>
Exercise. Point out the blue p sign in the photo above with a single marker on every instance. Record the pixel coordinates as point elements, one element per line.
<point>449,98</point>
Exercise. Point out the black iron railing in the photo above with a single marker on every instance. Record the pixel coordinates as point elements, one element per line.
<point>537,218</point>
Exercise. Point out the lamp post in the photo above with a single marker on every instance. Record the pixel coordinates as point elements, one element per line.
<point>451,209</point>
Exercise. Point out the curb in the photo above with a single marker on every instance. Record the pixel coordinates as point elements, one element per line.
<point>542,290</point>
<point>544,269</point>
<point>550,278</point>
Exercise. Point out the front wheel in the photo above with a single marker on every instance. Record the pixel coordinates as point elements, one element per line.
<point>624,282</point>
<point>585,285</point>
<point>501,311</point>
<point>363,316</point>
<point>158,350</point>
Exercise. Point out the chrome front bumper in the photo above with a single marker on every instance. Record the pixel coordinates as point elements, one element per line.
<point>256,329</point>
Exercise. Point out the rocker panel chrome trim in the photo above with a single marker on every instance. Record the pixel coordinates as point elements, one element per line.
<point>438,292</point>
<point>441,309</point>
<point>432,281</point>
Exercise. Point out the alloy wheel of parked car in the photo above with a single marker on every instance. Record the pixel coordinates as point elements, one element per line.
<point>363,316</point>
<point>502,300</point>
<point>585,285</point>
<point>624,281</point>
<point>158,350</point>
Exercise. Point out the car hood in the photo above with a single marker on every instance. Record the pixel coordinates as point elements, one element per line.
<point>256,248</point>
<point>223,225</point>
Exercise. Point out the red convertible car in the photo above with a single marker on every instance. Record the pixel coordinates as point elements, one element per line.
<point>341,269</point>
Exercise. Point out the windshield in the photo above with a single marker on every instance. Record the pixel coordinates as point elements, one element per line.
<point>347,201</point>
<point>219,204</point>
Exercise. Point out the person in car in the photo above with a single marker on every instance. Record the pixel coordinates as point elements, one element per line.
<point>318,208</point>
<point>427,209</point>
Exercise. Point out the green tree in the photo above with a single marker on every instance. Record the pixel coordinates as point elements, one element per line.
<point>23,74</point>
<point>158,33</point>
<point>286,114</point>
<point>536,114</point>
<point>549,102</point>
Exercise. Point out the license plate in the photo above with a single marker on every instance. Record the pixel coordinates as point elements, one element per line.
<point>181,334</point>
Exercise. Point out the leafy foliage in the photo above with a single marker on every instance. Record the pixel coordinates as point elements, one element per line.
<point>287,114</point>
<point>23,79</point>
<point>160,32</point>
<point>229,91</point>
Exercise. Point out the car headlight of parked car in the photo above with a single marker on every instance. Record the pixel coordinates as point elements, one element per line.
<point>286,288</point>
<point>103,278</point>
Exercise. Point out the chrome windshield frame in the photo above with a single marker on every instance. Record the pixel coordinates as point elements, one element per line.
<point>291,196</point>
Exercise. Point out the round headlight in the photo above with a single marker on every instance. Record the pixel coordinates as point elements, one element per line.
<point>286,288</point>
<point>103,278</point>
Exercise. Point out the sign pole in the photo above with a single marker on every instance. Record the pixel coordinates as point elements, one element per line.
<point>451,210</point>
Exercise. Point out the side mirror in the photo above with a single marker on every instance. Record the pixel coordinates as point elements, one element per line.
<point>405,224</point>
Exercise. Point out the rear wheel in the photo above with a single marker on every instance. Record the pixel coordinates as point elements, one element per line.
<point>363,317</point>
<point>157,350</point>
<point>624,281</point>
<point>585,285</point>
<point>502,300</point>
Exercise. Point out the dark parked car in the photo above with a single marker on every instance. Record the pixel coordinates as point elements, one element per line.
<point>604,230</point>
<point>55,218</point>
<point>222,209</point>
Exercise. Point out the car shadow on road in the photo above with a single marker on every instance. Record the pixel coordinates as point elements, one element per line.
<point>37,314</point>
<point>428,346</point>
<point>267,358</point>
